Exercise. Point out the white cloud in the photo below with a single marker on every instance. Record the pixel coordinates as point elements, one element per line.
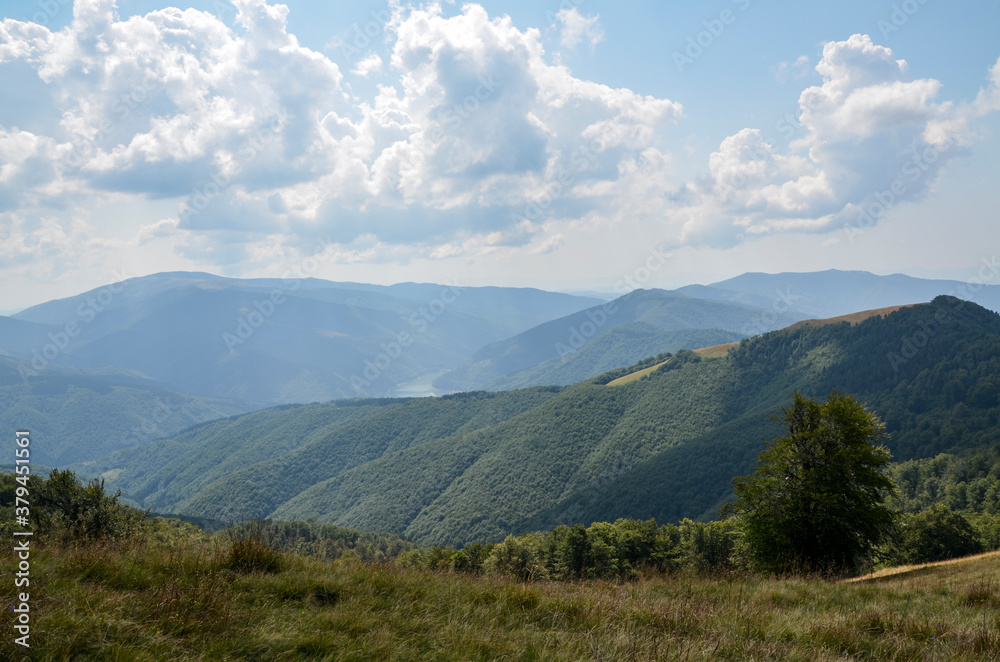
<point>577,28</point>
<point>370,64</point>
<point>874,137</point>
<point>798,69</point>
<point>477,142</point>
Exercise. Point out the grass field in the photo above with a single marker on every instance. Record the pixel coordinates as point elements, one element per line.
<point>189,602</point>
<point>635,376</point>
<point>715,351</point>
<point>853,318</point>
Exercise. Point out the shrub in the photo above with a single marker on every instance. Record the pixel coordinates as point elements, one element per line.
<point>935,535</point>
<point>248,550</point>
<point>65,509</point>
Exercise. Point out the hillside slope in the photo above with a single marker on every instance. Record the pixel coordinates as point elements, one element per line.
<point>78,415</point>
<point>665,446</point>
<point>587,343</point>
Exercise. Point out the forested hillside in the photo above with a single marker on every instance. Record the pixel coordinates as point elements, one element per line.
<point>78,415</point>
<point>615,334</point>
<point>478,466</point>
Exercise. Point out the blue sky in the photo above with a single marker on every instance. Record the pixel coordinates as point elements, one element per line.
<point>554,145</point>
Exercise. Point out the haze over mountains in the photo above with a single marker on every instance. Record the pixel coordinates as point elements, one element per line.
<point>269,340</point>
<point>132,362</point>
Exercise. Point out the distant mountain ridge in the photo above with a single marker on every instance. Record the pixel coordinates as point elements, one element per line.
<point>616,333</point>
<point>276,340</point>
<point>833,292</point>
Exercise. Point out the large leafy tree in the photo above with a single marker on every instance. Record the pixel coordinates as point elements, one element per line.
<point>816,501</point>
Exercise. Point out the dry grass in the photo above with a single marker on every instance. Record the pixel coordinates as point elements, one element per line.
<point>637,375</point>
<point>182,603</point>
<point>853,318</point>
<point>898,570</point>
<point>715,351</point>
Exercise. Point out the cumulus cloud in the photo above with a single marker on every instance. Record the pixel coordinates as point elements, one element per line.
<point>577,28</point>
<point>477,141</point>
<point>874,136</point>
<point>370,64</point>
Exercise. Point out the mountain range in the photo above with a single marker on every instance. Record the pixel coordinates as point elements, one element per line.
<point>478,466</point>
<point>142,359</point>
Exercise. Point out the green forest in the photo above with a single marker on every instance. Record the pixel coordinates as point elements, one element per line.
<point>498,463</point>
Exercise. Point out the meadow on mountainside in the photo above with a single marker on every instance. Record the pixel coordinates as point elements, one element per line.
<point>106,584</point>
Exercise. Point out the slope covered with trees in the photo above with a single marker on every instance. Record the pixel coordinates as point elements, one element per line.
<point>615,334</point>
<point>78,415</point>
<point>477,467</point>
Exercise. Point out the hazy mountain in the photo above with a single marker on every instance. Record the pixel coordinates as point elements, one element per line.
<point>833,292</point>
<point>617,333</point>
<point>277,341</point>
<point>478,466</point>
<point>21,337</point>
<point>76,415</point>
<point>623,345</point>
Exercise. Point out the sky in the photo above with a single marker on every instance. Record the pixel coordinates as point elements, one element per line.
<point>578,145</point>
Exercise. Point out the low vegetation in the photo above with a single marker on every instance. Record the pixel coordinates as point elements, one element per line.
<point>109,584</point>
<point>181,599</point>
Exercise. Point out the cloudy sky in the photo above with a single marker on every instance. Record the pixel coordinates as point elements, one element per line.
<point>562,145</point>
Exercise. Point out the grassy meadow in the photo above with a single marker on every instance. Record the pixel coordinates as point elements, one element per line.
<point>201,597</point>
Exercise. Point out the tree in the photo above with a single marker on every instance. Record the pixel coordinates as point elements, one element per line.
<point>816,501</point>
<point>63,506</point>
<point>935,535</point>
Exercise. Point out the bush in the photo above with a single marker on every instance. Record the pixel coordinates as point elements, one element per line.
<point>249,551</point>
<point>65,509</point>
<point>935,535</point>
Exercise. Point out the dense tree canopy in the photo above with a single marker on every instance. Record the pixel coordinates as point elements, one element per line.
<point>817,498</point>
